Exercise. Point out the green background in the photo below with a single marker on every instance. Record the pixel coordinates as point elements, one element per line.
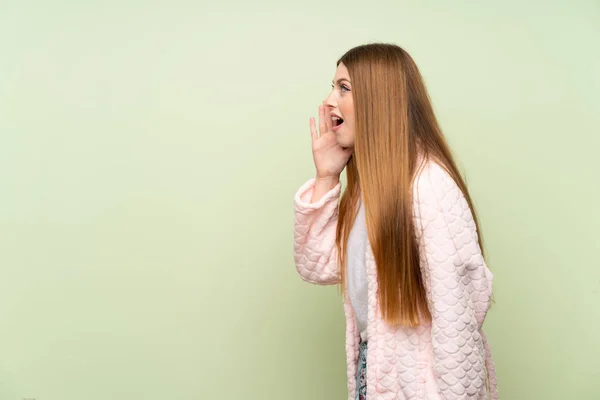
<point>150,151</point>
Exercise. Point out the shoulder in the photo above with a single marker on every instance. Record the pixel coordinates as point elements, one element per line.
<point>434,185</point>
<point>439,202</point>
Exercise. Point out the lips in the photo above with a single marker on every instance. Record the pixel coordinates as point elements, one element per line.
<point>337,121</point>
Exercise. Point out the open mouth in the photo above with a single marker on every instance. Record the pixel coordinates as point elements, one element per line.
<point>337,121</point>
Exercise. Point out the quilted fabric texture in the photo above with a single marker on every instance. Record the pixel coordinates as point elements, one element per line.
<point>448,358</point>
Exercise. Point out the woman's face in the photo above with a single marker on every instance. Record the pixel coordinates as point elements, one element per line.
<point>341,106</point>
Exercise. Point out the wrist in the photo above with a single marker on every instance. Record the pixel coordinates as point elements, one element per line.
<point>327,179</point>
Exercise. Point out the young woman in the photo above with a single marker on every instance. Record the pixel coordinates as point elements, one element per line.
<point>403,240</point>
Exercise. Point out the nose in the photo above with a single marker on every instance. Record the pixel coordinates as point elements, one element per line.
<point>330,101</point>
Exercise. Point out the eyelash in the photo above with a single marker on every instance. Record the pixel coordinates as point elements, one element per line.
<point>342,87</point>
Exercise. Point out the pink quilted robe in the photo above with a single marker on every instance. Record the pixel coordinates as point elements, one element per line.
<point>448,358</point>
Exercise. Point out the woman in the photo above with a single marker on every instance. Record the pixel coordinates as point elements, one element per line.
<point>403,241</point>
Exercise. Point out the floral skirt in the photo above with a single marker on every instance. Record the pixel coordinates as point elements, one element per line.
<point>361,373</point>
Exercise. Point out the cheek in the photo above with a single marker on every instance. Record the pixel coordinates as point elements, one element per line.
<point>349,119</point>
<point>348,111</point>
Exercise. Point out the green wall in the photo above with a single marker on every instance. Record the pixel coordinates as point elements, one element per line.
<point>150,151</point>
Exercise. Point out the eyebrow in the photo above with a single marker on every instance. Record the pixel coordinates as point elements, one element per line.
<point>340,80</point>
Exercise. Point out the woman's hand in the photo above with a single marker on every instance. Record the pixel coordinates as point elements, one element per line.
<point>330,158</point>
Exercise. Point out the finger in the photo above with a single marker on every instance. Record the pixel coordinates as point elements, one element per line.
<point>313,129</point>
<point>322,123</point>
<point>328,121</point>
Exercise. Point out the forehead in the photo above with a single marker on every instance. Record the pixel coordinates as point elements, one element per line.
<point>341,72</point>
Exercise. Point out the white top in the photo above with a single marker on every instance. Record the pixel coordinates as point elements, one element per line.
<point>357,271</point>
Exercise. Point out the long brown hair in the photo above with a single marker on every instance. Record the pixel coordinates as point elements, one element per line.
<point>394,122</point>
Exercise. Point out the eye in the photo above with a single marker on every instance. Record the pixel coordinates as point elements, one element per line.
<point>343,88</point>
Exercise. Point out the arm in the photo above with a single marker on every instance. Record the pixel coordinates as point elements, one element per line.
<point>449,253</point>
<point>315,223</point>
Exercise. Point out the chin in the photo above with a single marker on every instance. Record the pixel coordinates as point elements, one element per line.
<point>345,144</point>
<point>345,139</point>
<point>341,141</point>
